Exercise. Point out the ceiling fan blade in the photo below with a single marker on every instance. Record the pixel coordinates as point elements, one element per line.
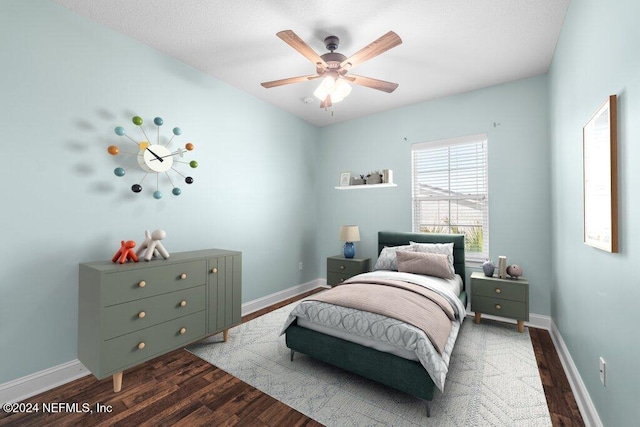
<point>375,48</point>
<point>372,83</point>
<point>292,39</point>
<point>289,81</point>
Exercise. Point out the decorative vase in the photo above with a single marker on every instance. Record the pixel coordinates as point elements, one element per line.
<point>349,250</point>
<point>488,267</point>
<point>502,267</point>
<point>514,271</point>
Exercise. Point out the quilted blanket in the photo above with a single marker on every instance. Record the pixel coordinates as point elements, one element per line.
<point>413,304</point>
<point>387,329</point>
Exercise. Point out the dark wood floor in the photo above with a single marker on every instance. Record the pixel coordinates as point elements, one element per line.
<point>562,404</point>
<point>182,389</point>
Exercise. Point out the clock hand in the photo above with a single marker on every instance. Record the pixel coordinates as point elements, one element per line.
<point>179,151</point>
<point>156,156</point>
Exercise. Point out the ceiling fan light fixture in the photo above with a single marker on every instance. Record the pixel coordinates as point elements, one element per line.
<point>341,89</point>
<point>338,89</point>
<point>325,88</point>
<point>332,67</point>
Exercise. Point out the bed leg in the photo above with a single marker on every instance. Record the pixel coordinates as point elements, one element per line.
<point>427,405</point>
<point>292,353</point>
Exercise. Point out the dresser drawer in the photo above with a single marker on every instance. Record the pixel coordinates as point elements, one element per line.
<point>349,267</point>
<point>509,291</point>
<point>157,279</point>
<point>122,352</point>
<point>499,307</point>
<point>334,278</point>
<point>124,318</point>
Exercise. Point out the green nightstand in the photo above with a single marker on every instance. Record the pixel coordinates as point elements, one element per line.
<point>500,297</point>
<point>340,268</point>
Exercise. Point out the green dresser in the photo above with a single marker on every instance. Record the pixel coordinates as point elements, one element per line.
<point>340,268</point>
<point>500,297</point>
<point>129,313</point>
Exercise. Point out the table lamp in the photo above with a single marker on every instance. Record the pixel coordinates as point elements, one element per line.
<point>349,234</point>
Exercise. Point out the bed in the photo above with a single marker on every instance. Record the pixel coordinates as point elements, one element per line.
<point>397,368</point>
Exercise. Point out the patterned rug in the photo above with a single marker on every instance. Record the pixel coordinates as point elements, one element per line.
<point>493,379</point>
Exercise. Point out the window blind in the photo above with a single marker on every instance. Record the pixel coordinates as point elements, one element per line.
<point>450,190</point>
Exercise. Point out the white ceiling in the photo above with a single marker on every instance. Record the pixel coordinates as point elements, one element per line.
<point>449,46</point>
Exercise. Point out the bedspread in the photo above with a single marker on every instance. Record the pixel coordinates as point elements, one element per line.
<point>412,304</point>
<point>387,329</point>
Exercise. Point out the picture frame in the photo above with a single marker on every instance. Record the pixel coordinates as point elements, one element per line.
<point>600,177</point>
<point>345,178</point>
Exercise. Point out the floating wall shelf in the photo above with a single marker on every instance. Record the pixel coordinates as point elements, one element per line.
<point>358,187</point>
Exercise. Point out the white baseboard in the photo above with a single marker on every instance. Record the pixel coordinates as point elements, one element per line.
<point>585,404</point>
<point>39,382</point>
<point>266,301</point>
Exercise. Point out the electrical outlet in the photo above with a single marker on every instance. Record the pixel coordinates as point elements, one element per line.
<point>300,266</point>
<point>603,366</point>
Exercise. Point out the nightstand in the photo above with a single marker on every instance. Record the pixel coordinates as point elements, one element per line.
<point>500,297</point>
<point>340,268</point>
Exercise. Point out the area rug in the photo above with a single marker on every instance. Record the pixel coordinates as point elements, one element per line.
<point>493,379</point>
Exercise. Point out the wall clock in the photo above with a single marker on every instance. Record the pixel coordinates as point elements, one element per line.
<point>154,158</point>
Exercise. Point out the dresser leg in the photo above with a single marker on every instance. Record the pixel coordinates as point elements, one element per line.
<point>477,317</point>
<point>117,382</point>
<point>521,326</point>
<point>225,335</point>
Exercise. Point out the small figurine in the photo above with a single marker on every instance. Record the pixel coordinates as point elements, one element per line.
<point>514,271</point>
<point>152,246</point>
<point>125,252</point>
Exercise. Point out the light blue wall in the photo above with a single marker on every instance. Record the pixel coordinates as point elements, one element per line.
<point>519,186</point>
<point>594,293</point>
<point>65,83</point>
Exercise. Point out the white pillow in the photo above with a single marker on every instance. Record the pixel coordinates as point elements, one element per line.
<point>387,258</point>
<point>436,265</point>
<point>437,248</point>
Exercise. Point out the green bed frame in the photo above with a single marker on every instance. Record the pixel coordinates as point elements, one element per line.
<point>408,376</point>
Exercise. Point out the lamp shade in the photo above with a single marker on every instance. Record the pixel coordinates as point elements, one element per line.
<point>340,90</point>
<point>349,233</point>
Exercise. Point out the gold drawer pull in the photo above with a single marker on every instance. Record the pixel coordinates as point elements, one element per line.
<point>140,346</point>
<point>498,306</point>
<point>183,303</point>
<point>183,276</point>
<point>183,331</point>
<point>142,284</point>
<point>498,291</point>
<point>342,267</point>
<point>141,315</point>
<point>214,270</point>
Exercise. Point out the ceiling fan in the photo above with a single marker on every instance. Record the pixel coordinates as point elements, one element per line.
<point>334,67</point>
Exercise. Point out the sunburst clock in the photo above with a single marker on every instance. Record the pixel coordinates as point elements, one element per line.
<point>155,158</point>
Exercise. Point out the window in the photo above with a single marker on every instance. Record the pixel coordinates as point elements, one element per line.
<point>450,191</point>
